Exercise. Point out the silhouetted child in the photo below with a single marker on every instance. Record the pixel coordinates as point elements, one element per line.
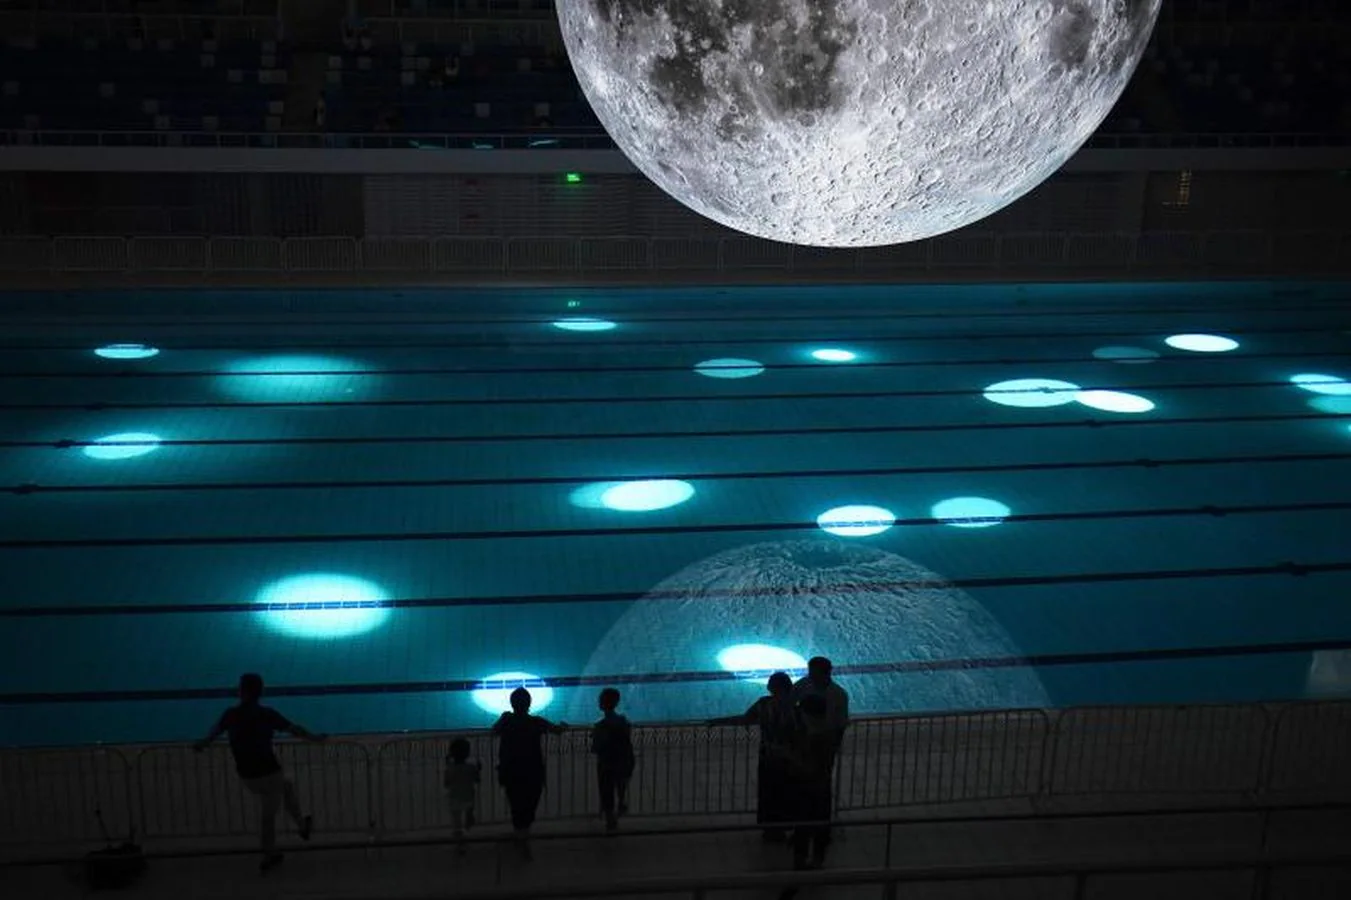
<point>461,782</point>
<point>612,743</point>
<point>520,762</point>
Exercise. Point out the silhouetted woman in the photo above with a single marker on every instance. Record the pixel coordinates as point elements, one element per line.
<point>775,716</point>
<point>520,762</point>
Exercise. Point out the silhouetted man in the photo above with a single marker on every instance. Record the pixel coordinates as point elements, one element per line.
<point>251,726</point>
<point>520,762</point>
<point>818,682</point>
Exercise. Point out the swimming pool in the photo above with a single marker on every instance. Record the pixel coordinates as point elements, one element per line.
<point>398,504</point>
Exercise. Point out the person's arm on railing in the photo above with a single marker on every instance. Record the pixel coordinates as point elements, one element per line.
<point>305,734</point>
<point>216,731</point>
<point>748,718</point>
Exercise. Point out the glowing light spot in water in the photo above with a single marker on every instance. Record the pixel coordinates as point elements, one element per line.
<point>584,323</point>
<point>834,354</point>
<point>756,662</point>
<point>1032,393</point>
<point>294,379</point>
<point>645,496</point>
<point>856,521</point>
<point>1115,401</point>
<point>1125,355</point>
<point>970,512</point>
<point>493,694</point>
<point>1201,343</point>
<point>323,605</point>
<point>126,351</point>
<point>729,368</point>
<point>1330,385</point>
<point>1335,406</point>
<point>123,446</point>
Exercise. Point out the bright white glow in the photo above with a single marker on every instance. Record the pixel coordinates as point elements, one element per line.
<point>584,323</point>
<point>493,694</point>
<point>294,379</point>
<point>756,662</point>
<point>123,446</point>
<point>1336,406</point>
<point>323,605</point>
<point>1115,401</point>
<point>1031,392</point>
<point>730,368</point>
<point>126,351</point>
<point>1126,355</point>
<point>856,521</point>
<point>645,496</point>
<point>834,354</point>
<point>1201,343</point>
<point>1322,384</point>
<point>970,512</point>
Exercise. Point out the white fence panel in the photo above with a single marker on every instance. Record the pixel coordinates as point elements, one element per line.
<point>754,253</point>
<point>169,254</point>
<point>913,255</point>
<point>965,250</point>
<point>25,254</point>
<point>91,254</point>
<point>542,254</point>
<point>396,254</point>
<point>623,254</point>
<point>1100,251</point>
<point>246,254</point>
<point>690,254</point>
<point>1153,750</point>
<point>468,254</point>
<point>50,795</point>
<point>1314,251</point>
<point>1311,751</point>
<point>320,254</point>
<point>824,259</point>
<point>1168,249</point>
<point>1241,249</point>
<point>1027,250</point>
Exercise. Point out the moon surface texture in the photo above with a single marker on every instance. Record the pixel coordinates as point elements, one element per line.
<point>857,605</point>
<point>852,123</point>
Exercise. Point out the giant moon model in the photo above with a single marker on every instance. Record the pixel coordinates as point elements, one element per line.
<point>855,604</point>
<point>850,123</point>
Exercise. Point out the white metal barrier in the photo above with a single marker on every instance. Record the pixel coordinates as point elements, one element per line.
<point>386,787</point>
<point>1172,253</point>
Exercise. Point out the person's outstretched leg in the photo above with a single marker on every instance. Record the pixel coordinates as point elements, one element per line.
<point>304,824</point>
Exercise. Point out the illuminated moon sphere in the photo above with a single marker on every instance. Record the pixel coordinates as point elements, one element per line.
<point>851,602</point>
<point>855,122</point>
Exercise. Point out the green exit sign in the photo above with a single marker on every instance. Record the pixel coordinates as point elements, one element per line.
<point>573,177</point>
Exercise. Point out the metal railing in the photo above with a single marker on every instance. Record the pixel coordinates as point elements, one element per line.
<point>383,788</point>
<point>1171,253</point>
<point>567,139</point>
<point>225,25</point>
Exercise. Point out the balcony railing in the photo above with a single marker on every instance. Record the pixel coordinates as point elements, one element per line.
<point>1044,254</point>
<point>385,788</point>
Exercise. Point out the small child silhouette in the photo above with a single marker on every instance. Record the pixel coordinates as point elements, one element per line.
<point>461,783</point>
<point>612,743</point>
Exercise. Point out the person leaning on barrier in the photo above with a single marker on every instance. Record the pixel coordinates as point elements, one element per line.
<point>808,787</point>
<point>520,762</point>
<point>819,682</point>
<point>251,726</point>
<point>774,716</point>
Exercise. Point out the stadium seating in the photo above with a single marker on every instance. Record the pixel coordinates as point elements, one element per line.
<point>142,84</point>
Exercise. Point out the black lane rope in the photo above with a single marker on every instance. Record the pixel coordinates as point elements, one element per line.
<point>1284,569</point>
<point>1137,463</point>
<point>100,405</point>
<point>900,667</point>
<point>66,444</point>
<point>150,374</point>
<point>497,340</point>
<point>640,530</point>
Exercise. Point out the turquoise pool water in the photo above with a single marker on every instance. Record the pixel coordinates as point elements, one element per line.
<point>379,499</point>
